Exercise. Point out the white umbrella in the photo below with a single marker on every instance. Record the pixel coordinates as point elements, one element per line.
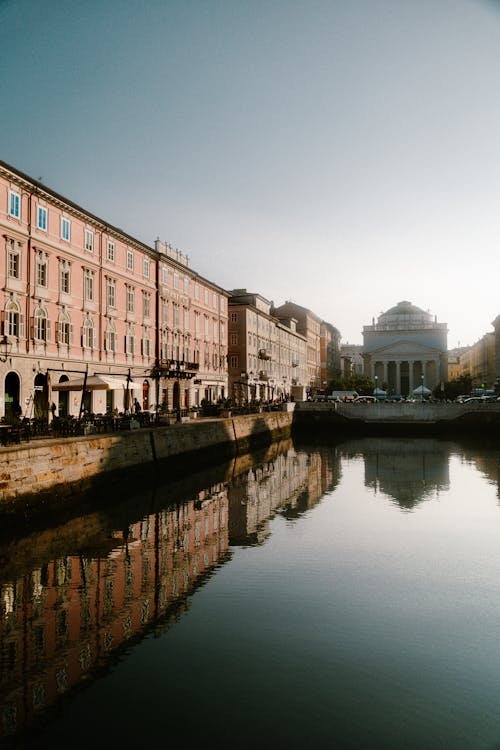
<point>97,383</point>
<point>421,391</point>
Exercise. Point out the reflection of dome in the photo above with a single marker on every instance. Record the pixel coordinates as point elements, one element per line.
<point>404,313</point>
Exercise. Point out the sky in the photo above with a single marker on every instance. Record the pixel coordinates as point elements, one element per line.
<point>342,154</point>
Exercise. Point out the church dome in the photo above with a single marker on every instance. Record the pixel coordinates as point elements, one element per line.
<point>403,315</point>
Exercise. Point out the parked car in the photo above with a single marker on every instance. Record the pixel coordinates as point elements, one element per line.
<point>364,400</point>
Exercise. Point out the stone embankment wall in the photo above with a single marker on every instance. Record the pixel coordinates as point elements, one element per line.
<point>55,469</point>
<point>419,418</point>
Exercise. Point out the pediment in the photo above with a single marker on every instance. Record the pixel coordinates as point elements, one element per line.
<point>403,347</point>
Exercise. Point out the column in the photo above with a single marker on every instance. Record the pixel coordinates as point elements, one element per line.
<point>398,376</point>
<point>410,374</point>
<point>386,372</point>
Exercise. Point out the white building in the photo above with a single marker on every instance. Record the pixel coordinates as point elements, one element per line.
<point>406,348</point>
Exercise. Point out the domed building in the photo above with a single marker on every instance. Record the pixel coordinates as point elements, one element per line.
<point>405,349</point>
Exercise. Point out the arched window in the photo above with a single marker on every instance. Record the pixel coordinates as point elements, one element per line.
<point>41,325</point>
<point>88,334</point>
<point>111,341</point>
<point>64,333</point>
<point>14,321</point>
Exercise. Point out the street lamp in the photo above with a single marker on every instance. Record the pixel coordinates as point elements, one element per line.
<point>422,388</point>
<point>376,387</point>
<point>5,347</point>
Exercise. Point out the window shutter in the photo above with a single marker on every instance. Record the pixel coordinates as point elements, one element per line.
<point>21,326</point>
<point>82,337</point>
<point>70,333</point>
<point>93,338</point>
<point>32,328</point>
<point>57,333</point>
<point>48,331</point>
<point>3,327</point>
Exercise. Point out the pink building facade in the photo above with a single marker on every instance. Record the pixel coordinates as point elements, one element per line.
<point>79,297</point>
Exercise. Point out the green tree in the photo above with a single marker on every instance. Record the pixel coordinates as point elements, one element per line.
<point>457,387</point>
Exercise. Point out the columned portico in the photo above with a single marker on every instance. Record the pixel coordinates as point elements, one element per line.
<point>405,344</point>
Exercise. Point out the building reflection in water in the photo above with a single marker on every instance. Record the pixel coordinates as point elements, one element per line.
<point>74,598</point>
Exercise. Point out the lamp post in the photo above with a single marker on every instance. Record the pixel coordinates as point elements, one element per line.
<point>5,347</point>
<point>422,388</point>
<point>376,387</point>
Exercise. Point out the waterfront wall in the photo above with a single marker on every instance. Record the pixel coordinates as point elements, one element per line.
<point>47,472</point>
<point>419,418</point>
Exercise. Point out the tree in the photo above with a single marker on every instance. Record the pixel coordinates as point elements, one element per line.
<point>453,388</point>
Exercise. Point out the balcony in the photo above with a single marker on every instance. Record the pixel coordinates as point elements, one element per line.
<point>263,375</point>
<point>264,354</point>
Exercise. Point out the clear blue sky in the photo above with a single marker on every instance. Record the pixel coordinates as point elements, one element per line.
<point>342,154</point>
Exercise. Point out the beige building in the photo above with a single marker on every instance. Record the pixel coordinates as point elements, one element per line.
<point>266,353</point>
<point>309,326</point>
<point>478,361</point>
<point>406,348</point>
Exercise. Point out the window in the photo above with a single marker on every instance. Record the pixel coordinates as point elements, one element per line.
<point>146,305</point>
<point>130,299</point>
<point>64,329</point>
<point>197,324</point>
<point>110,251</point>
<point>146,345</point>
<point>176,280</point>
<point>234,317</point>
<point>89,241</point>
<point>14,204</point>
<point>111,293</point>
<point>145,268</point>
<point>197,291</point>
<point>41,218</point>
<point>88,285</point>
<point>65,276</point>
<point>215,328</point>
<point>164,312</point>
<point>130,260</point>
<point>214,301</point>
<point>186,319</point>
<point>206,327</point>
<point>176,316</point>
<point>14,259</point>
<point>13,319</point>
<point>65,229</point>
<point>206,296</point>
<point>129,342</point>
<point>41,325</point>
<point>111,340</point>
<point>222,304</point>
<point>234,339</point>
<point>222,331</point>
<point>41,269</point>
<point>88,334</point>
<point>186,285</point>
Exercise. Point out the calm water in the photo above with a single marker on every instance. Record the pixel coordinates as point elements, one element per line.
<point>340,596</point>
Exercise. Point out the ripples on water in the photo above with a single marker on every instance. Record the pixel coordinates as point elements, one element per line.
<point>341,596</point>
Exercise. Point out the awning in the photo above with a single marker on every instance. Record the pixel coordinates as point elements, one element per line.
<point>97,383</point>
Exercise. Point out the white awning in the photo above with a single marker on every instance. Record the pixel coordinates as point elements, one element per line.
<point>97,383</point>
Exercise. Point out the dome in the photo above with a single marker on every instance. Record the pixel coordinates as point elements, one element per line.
<point>404,312</point>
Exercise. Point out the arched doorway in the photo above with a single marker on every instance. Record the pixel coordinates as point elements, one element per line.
<point>63,410</point>
<point>41,397</point>
<point>145,395</point>
<point>176,396</point>
<point>12,390</point>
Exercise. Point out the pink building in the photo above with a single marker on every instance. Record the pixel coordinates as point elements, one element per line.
<point>79,297</point>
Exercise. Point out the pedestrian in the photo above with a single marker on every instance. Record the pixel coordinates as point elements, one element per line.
<point>53,409</point>
<point>137,406</point>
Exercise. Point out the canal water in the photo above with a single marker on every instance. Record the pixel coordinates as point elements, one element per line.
<point>325,596</point>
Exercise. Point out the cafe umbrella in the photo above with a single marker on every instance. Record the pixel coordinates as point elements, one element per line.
<point>97,382</point>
